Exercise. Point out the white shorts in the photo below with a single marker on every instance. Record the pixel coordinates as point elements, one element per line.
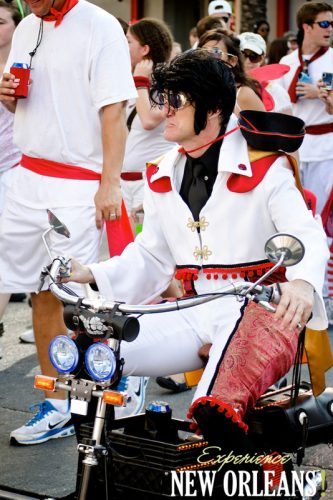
<point>5,182</point>
<point>22,251</point>
<point>133,193</point>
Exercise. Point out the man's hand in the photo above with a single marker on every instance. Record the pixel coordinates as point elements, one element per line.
<point>137,214</point>
<point>296,304</point>
<point>108,203</point>
<point>79,273</point>
<point>8,84</point>
<point>326,96</point>
<point>307,91</point>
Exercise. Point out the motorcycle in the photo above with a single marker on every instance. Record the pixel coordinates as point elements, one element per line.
<point>153,454</point>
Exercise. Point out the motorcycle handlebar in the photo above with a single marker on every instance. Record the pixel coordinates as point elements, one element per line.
<point>261,294</point>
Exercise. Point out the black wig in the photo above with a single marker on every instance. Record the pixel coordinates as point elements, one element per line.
<point>207,81</point>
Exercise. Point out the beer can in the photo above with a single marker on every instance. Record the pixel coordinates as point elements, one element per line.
<point>158,421</point>
<point>20,65</point>
<point>159,407</point>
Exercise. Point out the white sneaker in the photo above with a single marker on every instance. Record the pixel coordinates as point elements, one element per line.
<point>28,337</point>
<point>47,424</point>
<point>135,387</point>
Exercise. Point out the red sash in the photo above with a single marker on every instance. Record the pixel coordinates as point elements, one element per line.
<point>119,232</point>
<point>322,128</point>
<point>131,176</point>
<point>292,87</point>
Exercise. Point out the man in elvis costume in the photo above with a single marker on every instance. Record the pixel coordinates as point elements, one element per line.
<point>207,238</point>
<point>72,132</point>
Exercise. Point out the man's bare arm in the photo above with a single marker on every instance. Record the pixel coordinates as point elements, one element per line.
<point>114,133</point>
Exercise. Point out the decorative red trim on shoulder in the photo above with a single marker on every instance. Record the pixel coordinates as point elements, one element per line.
<point>241,184</point>
<point>225,408</point>
<point>162,185</point>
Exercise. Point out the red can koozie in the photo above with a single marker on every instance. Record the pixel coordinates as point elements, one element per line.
<point>21,71</point>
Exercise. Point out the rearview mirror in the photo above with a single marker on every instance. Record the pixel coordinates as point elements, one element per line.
<point>286,245</point>
<point>58,226</point>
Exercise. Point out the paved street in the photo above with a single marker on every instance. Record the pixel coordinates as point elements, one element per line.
<point>48,470</point>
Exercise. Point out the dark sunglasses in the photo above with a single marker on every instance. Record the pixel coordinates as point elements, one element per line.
<point>323,24</point>
<point>254,58</point>
<point>175,100</point>
<point>225,19</point>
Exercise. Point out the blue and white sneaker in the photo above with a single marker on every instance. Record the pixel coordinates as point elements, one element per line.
<point>135,387</point>
<point>48,423</point>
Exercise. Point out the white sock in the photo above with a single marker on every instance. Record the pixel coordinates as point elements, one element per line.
<point>59,404</point>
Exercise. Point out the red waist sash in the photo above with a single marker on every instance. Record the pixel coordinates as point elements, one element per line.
<point>119,232</point>
<point>131,176</point>
<point>60,170</point>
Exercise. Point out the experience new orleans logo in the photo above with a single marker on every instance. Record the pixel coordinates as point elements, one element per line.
<point>272,480</point>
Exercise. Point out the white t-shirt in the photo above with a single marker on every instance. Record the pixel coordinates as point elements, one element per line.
<point>311,111</point>
<point>143,145</point>
<point>80,66</point>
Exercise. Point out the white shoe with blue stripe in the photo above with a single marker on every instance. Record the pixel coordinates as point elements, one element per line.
<point>48,423</point>
<point>135,387</point>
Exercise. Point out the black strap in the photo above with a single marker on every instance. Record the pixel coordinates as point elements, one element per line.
<point>130,118</point>
<point>296,376</point>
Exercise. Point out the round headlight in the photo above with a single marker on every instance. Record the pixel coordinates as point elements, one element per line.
<point>64,354</point>
<point>100,362</point>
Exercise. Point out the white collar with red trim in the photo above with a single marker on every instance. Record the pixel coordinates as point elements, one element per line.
<point>234,157</point>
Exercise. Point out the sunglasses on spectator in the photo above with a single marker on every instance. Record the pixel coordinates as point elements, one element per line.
<point>254,58</point>
<point>323,24</point>
<point>175,100</point>
<point>220,54</point>
<point>225,19</point>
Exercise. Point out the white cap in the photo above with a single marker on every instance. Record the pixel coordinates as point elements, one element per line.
<point>252,41</point>
<point>219,7</point>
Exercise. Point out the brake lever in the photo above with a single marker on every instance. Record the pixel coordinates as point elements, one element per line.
<point>268,295</point>
<point>64,271</point>
<point>266,305</point>
<point>65,267</point>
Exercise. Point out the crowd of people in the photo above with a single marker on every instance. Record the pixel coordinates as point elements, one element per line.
<point>80,145</point>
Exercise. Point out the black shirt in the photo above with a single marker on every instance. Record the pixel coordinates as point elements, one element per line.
<point>208,172</point>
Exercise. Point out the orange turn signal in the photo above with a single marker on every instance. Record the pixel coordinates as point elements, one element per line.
<point>114,398</point>
<point>45,383</point>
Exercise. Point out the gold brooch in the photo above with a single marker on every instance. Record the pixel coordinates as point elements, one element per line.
<point>202,224</point>
<point>204,253</point>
